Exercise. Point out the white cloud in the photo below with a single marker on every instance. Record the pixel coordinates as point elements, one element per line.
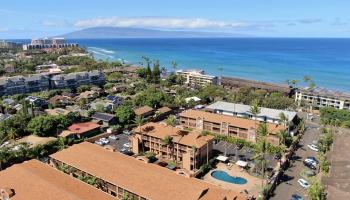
<point>159,22</point>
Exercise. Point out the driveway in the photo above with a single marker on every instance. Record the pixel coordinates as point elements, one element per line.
<point>289,184</point>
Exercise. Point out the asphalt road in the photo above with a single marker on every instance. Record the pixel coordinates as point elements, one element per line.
<point>289,184</point>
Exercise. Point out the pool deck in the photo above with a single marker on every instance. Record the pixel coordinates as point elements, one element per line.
<point>252,186</point>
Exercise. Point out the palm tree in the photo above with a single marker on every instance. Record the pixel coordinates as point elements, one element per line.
<point>139,120</point>
<point>11,134</point>
<point>38,151</point>
<point>168,141</point>
<point>284,119</point>
<point>255,110</point>
<point>260,156</point>
<point>282,135</point>
<point>171,121</point>
<point>174,64</point>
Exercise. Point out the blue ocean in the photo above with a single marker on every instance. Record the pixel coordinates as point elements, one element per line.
<point>326,61</point>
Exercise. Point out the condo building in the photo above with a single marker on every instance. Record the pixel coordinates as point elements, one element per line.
<point>197,78</point>
<point>48,43</point>
<point>73,80</point>
<point>23,84</point>
<point>120,176</point>
<point>228,125</point>
<point>323,98</point>
<point>36,180</point>
<point>39,82</point>
<point>243,111</point>
<point>189,148</point>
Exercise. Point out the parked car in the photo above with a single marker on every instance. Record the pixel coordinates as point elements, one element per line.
<point>309,165</point>
<point>113,137</point>
<point>296,197</point>
<point>126,145</point>
<point>312,147</point>
<point>104,140</point>
<point>162,164</point>
<point>127,132</point>
<point>99,143</point>
<point>312,162</point>
<point>313,158</point>
<point>303,183</point>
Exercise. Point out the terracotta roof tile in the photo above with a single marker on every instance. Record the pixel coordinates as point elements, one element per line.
<point>35,180</point>
<point>148,180</point>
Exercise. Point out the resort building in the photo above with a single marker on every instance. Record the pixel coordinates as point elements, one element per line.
<point>74,80</point>
<point>319,98</point>
<point>188,148</point>
<point>228,125</point>
<point>39,82</point>
<point>120,175</point>
<point>36,180</point>
<point>197,77</point>
<point>243,111</point>
<point>46,43</point>
<point>231,83</point>
<point>23,84</point>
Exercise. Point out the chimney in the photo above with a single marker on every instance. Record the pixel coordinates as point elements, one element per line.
<point>6,193</point>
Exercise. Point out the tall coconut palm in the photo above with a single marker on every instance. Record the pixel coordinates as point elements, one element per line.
<point>284,119</point>
<point>282,135</point>
<point>260,156</point>
<point>255,110</point>
<point>171,121</point>
<point>174,64</point>
<point>139,120</point>
<point>168,142</point>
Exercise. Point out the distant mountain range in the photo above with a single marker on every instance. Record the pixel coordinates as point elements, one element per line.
<point>118,32</point>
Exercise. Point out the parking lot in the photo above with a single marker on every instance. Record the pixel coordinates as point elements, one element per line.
<point>119,142</point>
<point>289,182</point>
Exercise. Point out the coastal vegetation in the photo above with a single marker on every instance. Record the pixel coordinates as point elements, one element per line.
<point>335,117</point>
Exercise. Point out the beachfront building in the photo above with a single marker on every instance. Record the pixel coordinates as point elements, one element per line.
<point>243,111</point>
<point>228,125</point>
<point>36,180</point>
<point>188,148</point>
<point>120,175</point>
<point>197,78</point>
<point>23,84</point>
<point>74,80</point>
<point>319,98</point>
<point>47,43</point>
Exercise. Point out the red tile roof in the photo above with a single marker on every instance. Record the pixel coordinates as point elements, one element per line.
<point>81,128</point>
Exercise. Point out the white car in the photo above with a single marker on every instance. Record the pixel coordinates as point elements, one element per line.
<point>99,143</point>
<point>113,137</point>
<point>303,183</point>
<point>126,145</point>
<point>313,147</point>
<point>104,140</point>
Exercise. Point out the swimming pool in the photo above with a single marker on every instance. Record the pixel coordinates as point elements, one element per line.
<point>224,176</point>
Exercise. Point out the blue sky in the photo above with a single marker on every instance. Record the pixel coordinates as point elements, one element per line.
<point>270,18</point>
